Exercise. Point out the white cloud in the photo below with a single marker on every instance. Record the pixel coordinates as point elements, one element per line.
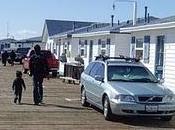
<point>23,34</point>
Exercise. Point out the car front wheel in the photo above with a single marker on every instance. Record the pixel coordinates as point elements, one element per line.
<point>83,98</point>
<point>107,109</point>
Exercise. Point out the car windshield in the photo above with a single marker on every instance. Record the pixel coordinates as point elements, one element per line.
<point>130,74</point>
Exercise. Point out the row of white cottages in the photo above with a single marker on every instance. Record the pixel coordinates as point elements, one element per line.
<point>153,42</point>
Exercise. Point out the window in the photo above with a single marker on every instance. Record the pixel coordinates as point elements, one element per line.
<point>104,47</point>
<point>133,39</point>
<point>130,74</point>
<point>82,52</point>
<point>139,48</point>
<point>139,43</point>
<point>83,48</point>
<point>88,68</point>
<point>66,48</point>
<point>94,70</point>
<point>100,70</point>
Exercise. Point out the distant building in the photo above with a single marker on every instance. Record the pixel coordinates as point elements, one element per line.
<point>91,41</point>
<point>30,42</point>
<point>12,44</point>
<point>6,43</point>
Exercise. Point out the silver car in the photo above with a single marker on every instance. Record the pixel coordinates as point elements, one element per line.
<point>124,86</point>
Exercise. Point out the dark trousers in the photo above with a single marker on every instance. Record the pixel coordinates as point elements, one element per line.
<point>4,61</point>
<point>18,96</point>
<point>37,90</point>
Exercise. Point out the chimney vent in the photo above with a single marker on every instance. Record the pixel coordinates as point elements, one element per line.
<point>148,18</point>
<point>118,22</point>
<point>112,20</point>
<point>146,11</point>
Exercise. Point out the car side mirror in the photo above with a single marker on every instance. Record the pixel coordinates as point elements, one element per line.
<point>99,78</point>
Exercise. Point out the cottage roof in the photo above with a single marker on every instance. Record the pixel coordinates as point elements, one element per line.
<point>8,40</point>
<point>103,27</point>
<point>161,23</point>
<point>33,39</point>
<point>58,26</point>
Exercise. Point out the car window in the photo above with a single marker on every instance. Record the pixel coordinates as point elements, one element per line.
<point>98,69</point>
<point>130,74</point>
<point>88,68</point>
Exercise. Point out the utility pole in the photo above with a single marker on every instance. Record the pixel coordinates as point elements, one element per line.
<point>8,34</point>
<point>134,8</point>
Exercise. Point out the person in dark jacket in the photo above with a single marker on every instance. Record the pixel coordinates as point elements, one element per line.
<point>4,57</point>
<point>39,70</point>
<point>18,85</point>
<point>12,57</point>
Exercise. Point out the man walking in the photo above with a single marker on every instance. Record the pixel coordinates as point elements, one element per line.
<point>39,70</point>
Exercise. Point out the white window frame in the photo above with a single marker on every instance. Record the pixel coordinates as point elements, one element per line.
<point>139,48</point>
<point>104,47</point>
<point>82,47</point>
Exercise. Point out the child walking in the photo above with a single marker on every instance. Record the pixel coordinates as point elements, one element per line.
<point>18,85</point>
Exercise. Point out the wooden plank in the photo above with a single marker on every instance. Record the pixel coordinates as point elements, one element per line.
<point>70,80</point>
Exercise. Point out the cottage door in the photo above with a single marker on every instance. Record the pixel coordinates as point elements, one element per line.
<point>159,57</point>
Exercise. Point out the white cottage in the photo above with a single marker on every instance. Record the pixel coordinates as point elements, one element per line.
<point>154,43</point>
<point>53,27</point>
<point>89,42</point>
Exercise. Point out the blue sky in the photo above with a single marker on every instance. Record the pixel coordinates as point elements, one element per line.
<point>25,18</point>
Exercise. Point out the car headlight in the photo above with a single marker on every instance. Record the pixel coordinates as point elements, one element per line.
<point>169,98</point>
<point>125,98</point>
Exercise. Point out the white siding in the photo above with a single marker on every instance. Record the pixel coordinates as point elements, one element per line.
<point>169,53</point>
<point>122,42</point>
<point>170,64</point>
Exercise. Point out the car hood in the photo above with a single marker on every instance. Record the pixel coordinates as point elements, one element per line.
<point>140,88</point>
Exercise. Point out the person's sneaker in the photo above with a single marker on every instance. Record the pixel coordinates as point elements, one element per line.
<point>15,100</point>
<point>42,103</point>
<point>36,103</point>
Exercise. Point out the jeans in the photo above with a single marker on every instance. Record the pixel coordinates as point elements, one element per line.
<point>37,90</point>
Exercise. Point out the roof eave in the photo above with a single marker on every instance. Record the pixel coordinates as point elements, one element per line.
<point>149,27</point>
<point>61,36</point>
<point>91,34</point>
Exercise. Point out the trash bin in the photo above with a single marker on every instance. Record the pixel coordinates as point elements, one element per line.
<point>73,70</point>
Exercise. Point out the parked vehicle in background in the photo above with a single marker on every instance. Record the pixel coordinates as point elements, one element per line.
<point>124,86</point>
<point>21,54</point>
<point>53,63</point>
